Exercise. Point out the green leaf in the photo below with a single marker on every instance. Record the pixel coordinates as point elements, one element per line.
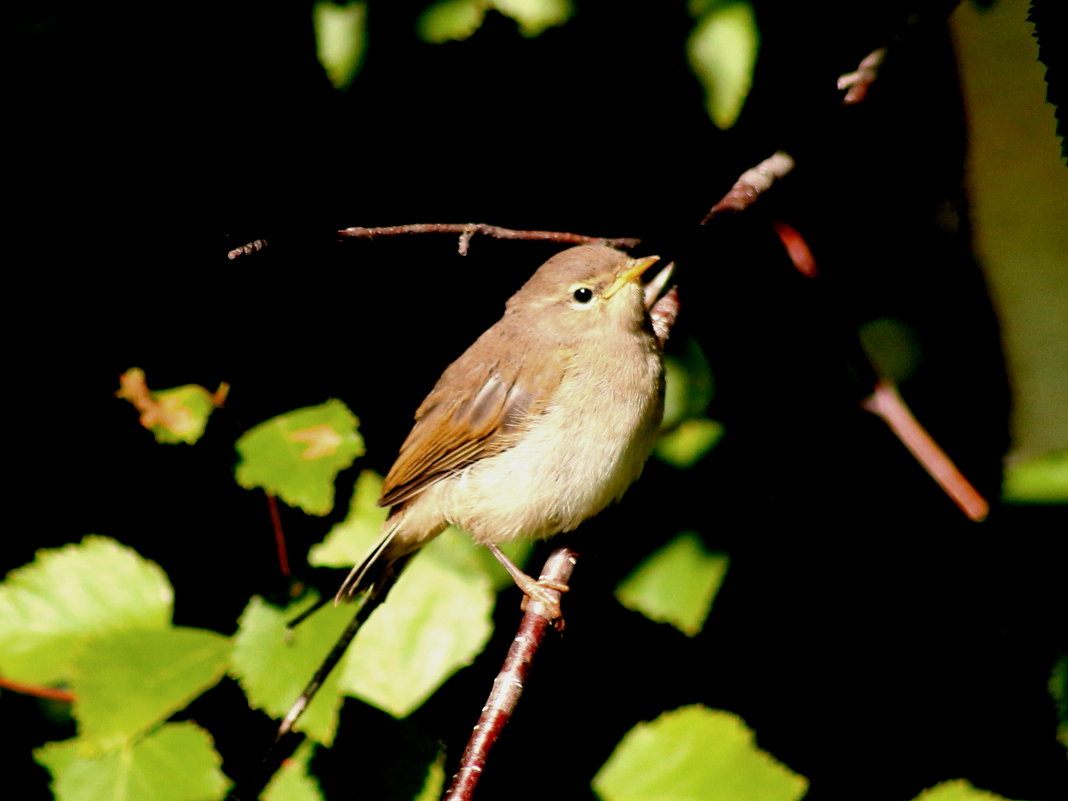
<point>340,39</point>
<point>67,595</point>
<point>722,50</point>
<point>1042,480</point>
<point>676,584</point>
<point>273,664</point>
<point>695,754</point>
<point>434,785</point>
<point>297,455</point>
<point>434,621</point>
<point>178,762</point>
<point>957,790</point>
<point>127,682</point>
<point>455,20</point>
<point>689,442</point>
<point>354,536</point>
<point>1058,689</point>
<point>292,782</point>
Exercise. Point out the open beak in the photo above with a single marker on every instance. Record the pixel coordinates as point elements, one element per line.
<point>635,267</point>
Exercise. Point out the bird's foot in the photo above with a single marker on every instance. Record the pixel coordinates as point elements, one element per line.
<point>542,591</point>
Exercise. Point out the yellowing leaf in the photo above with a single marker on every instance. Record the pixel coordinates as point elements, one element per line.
<point>172,415</point>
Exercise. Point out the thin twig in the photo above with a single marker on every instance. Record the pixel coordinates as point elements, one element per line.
<point>856,84</point>
<point>255,246</point>
<point>508,686</point>
<point>279,535</point>
<point>467,230</point>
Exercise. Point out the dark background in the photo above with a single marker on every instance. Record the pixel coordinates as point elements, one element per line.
<point>875,640</point>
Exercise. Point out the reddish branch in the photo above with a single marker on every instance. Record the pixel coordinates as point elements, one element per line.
<point>752,183</point>
<point>856,84</point>
<point>886,403</point>
<point>279,535</point>
<point>508,686</point>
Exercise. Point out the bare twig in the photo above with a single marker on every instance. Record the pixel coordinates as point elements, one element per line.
<point>886,402</point>
<point>856,84</point>
<point>508,686</point>
<point>468,230</point>
<point>254,246</point>
<point>752,183</point>
<point>279,535</point>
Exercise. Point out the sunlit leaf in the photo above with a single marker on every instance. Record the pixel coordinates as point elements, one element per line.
<point>297,455</point>
<point>434,785</point>
<point>172,415</point>
<point>178,762</point>
<point>450,20</point>
<point>126,682</point>
<point>434,622</point>
<point>957,790</point>
<point>292,782</point>
<point>695,754</point>
<point>70,594</point>
<point>722,50</point>
<point>273,664</point>
<point>676,584</point>
<point>354,536</point>
<point>340,39</point>
<point>1043,480</point>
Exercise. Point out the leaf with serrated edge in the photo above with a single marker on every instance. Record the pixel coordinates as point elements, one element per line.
<point>273,664</point>
<point>70,594</point>
<point>349,540</point>
<point>695,754</point>
<point>292,782</point>
<point>297,455</point>
<point>126,682</point>
<point>177,762</point>
<point>676,584</point>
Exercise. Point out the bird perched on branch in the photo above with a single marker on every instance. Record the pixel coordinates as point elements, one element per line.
<point>545,420</point>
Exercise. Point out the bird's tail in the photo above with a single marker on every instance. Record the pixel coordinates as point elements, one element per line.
<point>376,572</point>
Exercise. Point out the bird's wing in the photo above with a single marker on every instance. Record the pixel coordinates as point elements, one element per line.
<point>478,408</point>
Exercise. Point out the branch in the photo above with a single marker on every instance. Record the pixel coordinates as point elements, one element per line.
<point>466,232</point>
<point>752,183</point>
<point>508,686</point>
<point>856,84</point>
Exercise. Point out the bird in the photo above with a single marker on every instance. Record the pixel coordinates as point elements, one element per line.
<point>546,419</point>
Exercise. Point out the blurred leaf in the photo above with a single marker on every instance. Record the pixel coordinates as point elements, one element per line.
<point>692,439</point>
<point>126,682</point>
<point>722,50</point>
<point>340,39</point>
<point>690,385</point>
<point>178,762</point>
<point>274,664</point>
<point>1058,689</point>
<point>1042,480</point>
<point>695,754</point>
<point>297,455</point>
<point>292,782</point>
<point>172,415</point>
<point>434,786</point>
<point>676,584</point>
<point>892,346</point>
<point>354,536</point>
<point>957,790</point>
<point>434,622</point>
<point>67,595</point>
<point>450,20</point>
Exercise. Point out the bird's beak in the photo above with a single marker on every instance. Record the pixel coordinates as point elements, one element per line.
<point>635,267</point>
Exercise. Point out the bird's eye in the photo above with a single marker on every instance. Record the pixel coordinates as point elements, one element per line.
<point>583,294</point>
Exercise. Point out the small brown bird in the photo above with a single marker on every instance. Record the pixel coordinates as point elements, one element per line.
<point>545,420</point>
